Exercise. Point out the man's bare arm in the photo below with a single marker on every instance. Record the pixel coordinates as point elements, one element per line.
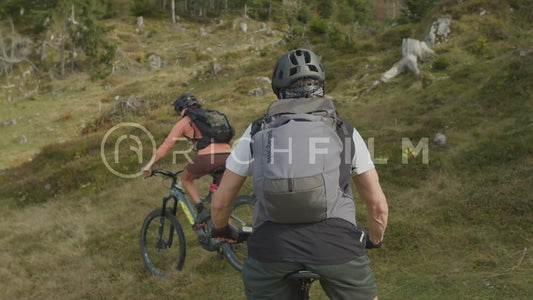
<point>223,198</point>
<point>378,210</point>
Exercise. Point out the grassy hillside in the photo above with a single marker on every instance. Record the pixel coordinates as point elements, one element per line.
<point>460,225</point>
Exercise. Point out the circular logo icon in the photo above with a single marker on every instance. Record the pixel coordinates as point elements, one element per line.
<point>124,153</point>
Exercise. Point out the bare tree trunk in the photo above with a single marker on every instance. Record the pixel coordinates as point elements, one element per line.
<point>62,54</point>
<point>13,41</point>
<point>72,60</point>
<point>173,11</point>
<point>43,51</point>
<point>72,15</point>
<point>2,45</point>
<point>4,55</point>
<point>269,10</point>
<point>19,50</point>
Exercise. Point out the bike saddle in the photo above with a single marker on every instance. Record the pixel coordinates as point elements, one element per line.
<point>302,274</point>
<point>217,172</point>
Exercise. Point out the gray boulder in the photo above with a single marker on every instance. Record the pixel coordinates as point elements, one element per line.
<point>439,31</point>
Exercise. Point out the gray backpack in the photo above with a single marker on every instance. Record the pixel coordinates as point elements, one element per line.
<point>302,152</point>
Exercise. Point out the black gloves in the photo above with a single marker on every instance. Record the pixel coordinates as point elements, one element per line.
<point>227,234</point>
<point>368,242</point>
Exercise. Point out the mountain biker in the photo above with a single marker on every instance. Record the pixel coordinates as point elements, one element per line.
<point>332,247</point>
<point>208,158</point>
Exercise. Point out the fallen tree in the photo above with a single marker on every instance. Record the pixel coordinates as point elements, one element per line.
<point>412,51</point>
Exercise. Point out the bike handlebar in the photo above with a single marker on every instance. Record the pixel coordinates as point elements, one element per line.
<point>244,232</point>
<point>170,174</point>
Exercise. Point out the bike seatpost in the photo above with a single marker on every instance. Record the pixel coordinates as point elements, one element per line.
<point>305,278</point>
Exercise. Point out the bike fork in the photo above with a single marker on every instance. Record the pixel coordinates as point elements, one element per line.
<point>162,223</point>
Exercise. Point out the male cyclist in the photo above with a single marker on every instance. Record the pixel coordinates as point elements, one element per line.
<point>325,241</point>
<point>208,158</point>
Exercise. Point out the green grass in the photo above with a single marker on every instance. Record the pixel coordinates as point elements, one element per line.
<point>459,226</point>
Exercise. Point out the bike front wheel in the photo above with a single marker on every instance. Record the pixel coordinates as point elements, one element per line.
<point>241,216</point>
<point>162,243</point>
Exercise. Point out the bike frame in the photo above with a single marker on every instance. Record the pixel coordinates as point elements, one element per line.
<point>178,195</point>
<point>183,200</point>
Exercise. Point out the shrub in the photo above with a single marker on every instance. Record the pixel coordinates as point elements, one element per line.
<point>417,9</point>
<point>325,8</point>
<point>143,8</point>
<point>479,47</point>
<point>304,15</point>
<point>294,37</point>
<point>441,63</point>
<point>393,38</point>
<point>335,37</point>
<point>318,26</point>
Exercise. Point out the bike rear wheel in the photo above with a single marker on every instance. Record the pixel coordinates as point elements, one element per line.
<point>241,216</point>
<point>162,243</point>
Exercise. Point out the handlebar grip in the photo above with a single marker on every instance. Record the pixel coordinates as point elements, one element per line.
<point>368,242</point>
<point>152,173</point>
<point>244,232</point>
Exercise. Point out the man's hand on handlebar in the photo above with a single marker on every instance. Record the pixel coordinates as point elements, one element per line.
<point>227,234</point>
<point>230,234</point>
<point>368,242</point>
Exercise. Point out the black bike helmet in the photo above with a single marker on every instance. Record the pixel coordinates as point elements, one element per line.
<point>294,65</point>
<point>185,101</point>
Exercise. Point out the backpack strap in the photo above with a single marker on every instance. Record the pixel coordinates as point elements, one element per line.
<point>345,132</point>
<point>192,139</point>
<point>257,126</point>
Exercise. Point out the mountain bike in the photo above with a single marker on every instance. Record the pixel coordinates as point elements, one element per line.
<point>163,244</point>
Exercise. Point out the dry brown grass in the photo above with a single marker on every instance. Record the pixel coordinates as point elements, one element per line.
<point>87,247</point>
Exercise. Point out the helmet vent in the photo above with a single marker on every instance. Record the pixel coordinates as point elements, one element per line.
<point>293,71</point>
<point>307,57</point>
<point>312,68</point>
<point>293,59</point>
